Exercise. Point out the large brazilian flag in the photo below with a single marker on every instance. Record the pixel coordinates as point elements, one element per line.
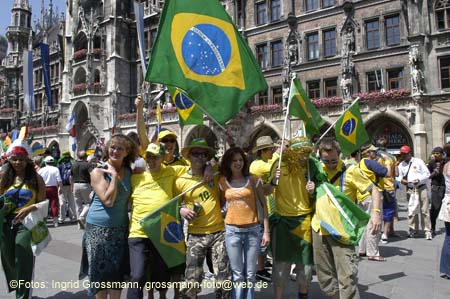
<point>339,216</point>
<point>350,130</point>
<point>199,50</point>
<point>164,229</point>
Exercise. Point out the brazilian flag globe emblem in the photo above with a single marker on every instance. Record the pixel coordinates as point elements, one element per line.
<point>199,50</point>
<point>163,227</point>
<point>189,113</point>
<point>350,130</point>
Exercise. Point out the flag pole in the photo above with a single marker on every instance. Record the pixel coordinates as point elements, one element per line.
<point>207,114</point>
<point>285,125</point>
<point>334,123</point>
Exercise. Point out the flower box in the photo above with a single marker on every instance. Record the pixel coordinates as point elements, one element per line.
<point>79,88</point>
<point>97,52</point>
<point>7,110</point>
<point>327,102</point>
<point>265,108</point>
<point>377,96</point>
<point>80,54</point>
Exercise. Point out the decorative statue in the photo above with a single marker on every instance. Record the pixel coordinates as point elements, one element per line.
<point>346,84</point>
<point>416,78</point>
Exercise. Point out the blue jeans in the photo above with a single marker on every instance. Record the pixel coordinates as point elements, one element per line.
<point>243,247</point>
<point>445,253</point>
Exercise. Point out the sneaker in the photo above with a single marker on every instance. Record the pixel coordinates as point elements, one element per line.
<point>263,275</point>
<point>384,239</point>
<point>55,222</point>
<point>208,275</point>
<point>428,236</point>
<point>412,234</point>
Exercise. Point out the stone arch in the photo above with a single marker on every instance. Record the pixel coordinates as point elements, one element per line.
<point>262,130</point>
<point>391,126</point>
<point>81,41</point>
<point>81,126</point>
<point>447,132</point>
<point>204,132</point>
<point>80,76</point>
<point>53,146</point>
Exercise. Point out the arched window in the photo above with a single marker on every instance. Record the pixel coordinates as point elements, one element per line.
<point>447,133</point>
<point>442,10</point>
<point>16,19</point>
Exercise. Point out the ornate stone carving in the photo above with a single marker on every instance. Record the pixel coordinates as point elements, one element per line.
<point>416,73</point>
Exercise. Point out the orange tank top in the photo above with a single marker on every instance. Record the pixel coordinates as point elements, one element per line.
<point>241,203</point>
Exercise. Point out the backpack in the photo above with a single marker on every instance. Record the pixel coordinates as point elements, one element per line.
<point>65,171</point>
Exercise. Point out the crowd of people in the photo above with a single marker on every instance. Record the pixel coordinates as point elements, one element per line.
<point>244,212</point>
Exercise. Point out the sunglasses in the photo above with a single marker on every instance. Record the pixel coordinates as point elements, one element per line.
<point>168,140</point>
<point>330,162</point>
<point>199,154</point>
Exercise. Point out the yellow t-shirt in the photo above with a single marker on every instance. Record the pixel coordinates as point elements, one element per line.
<point>26,196</point>
<point>209,219</point>
<point>150,192</point>
<point>291,197</point>
<point>388,182</point>
<point>262,169</point>
<point>357,185</point>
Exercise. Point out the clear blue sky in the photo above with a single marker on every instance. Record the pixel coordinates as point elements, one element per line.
<point>6,5</point>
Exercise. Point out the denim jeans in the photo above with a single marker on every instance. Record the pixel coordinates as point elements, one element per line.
<point>243,247</point>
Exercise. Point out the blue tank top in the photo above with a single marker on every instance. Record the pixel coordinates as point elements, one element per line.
<point>114,216</point>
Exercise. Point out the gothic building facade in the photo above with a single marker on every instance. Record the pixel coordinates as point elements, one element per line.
<point>393,55</point>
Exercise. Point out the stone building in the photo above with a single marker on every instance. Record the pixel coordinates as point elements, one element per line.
<point>393,55</point>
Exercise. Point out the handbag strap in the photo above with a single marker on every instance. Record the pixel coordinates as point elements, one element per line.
<point>258,203</point>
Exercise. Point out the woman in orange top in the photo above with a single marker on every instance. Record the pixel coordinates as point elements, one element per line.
<point>243,232</point>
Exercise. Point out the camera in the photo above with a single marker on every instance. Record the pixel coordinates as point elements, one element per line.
<point>6,204</point>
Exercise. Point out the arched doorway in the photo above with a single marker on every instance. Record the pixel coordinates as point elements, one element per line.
<point>262,130</point>
<point>447,133</point>
<point>394,132</point>
<point>203,131</point>
<point>83,135</point>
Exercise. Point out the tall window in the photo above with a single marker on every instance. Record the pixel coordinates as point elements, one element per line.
<point>329,43</point>
<point>331,87</point>
<point>261,55</point>
<point>261,13</point>
<point>327,3</point>
<point>275,10</point>
<point>313,46</point>
<point>312,5</point>
<point>392,31</point>
<point>373,34</point>
<point>263,99</point>
<point>277,93</point>
<point>444,65</point>
<point>313,89</point>
<point>276,49</point>
<point>395,78</point>
<point>442,9</point>
<point>373,82</point>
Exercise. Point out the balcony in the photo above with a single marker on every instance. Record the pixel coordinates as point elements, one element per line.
<point>80,55</point>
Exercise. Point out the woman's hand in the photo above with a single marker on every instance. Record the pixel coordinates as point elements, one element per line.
<point>265,241</point>
<point>310,186</point>
<point>24,213</point>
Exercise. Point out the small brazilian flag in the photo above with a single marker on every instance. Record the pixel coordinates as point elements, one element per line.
<point>199,50</point>
<point>189,113</point>
<point>350,130</point>
<point>339,216</point>
<point>164,229</point>
<point>302,107</point>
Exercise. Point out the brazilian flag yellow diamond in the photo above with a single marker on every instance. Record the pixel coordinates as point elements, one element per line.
<point>349,127</point>
<point>171,233</point>
<point>207,50</point>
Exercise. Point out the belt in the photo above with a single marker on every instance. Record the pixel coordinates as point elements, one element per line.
<point>80,182</point>
<point>418,187</point>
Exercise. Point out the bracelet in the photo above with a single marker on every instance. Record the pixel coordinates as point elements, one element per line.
<point>376,210</point>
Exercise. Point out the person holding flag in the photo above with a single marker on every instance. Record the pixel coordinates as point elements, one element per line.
<point>202,208</point>
<point>336,260</point>
<point>105,250</point>
<point>290,224</point>
<point>21,182</point>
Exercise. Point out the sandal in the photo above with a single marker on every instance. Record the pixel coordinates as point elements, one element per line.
<point>376,258</point>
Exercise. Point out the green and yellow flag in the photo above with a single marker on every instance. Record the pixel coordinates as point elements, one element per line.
<point>302,107</point>
<point>339,216</point>
<point>189,113</point>
<point>164,229</point>
<point>199,50</point>
<point>350,130</point>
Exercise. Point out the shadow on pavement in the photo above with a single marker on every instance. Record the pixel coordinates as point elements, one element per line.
<point>67,295</point>
<point>391,251</point>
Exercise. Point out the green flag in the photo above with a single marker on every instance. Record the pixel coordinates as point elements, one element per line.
<point>189,113</point>
<point>350,130</point>
<point>164,229</point>
<point>302,107</point>
<point>199,50</point>
<point>4,147</point>
<point>339,216</point>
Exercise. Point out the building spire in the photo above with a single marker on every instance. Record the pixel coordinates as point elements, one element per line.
<point>50,14</point>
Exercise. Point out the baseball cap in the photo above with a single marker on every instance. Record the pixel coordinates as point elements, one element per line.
<point>371,148</point>
<point>405,149</point>
<point>49,159</point>
<point>165,133</point>
<point>155,149</point>
<point>438,149</point>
